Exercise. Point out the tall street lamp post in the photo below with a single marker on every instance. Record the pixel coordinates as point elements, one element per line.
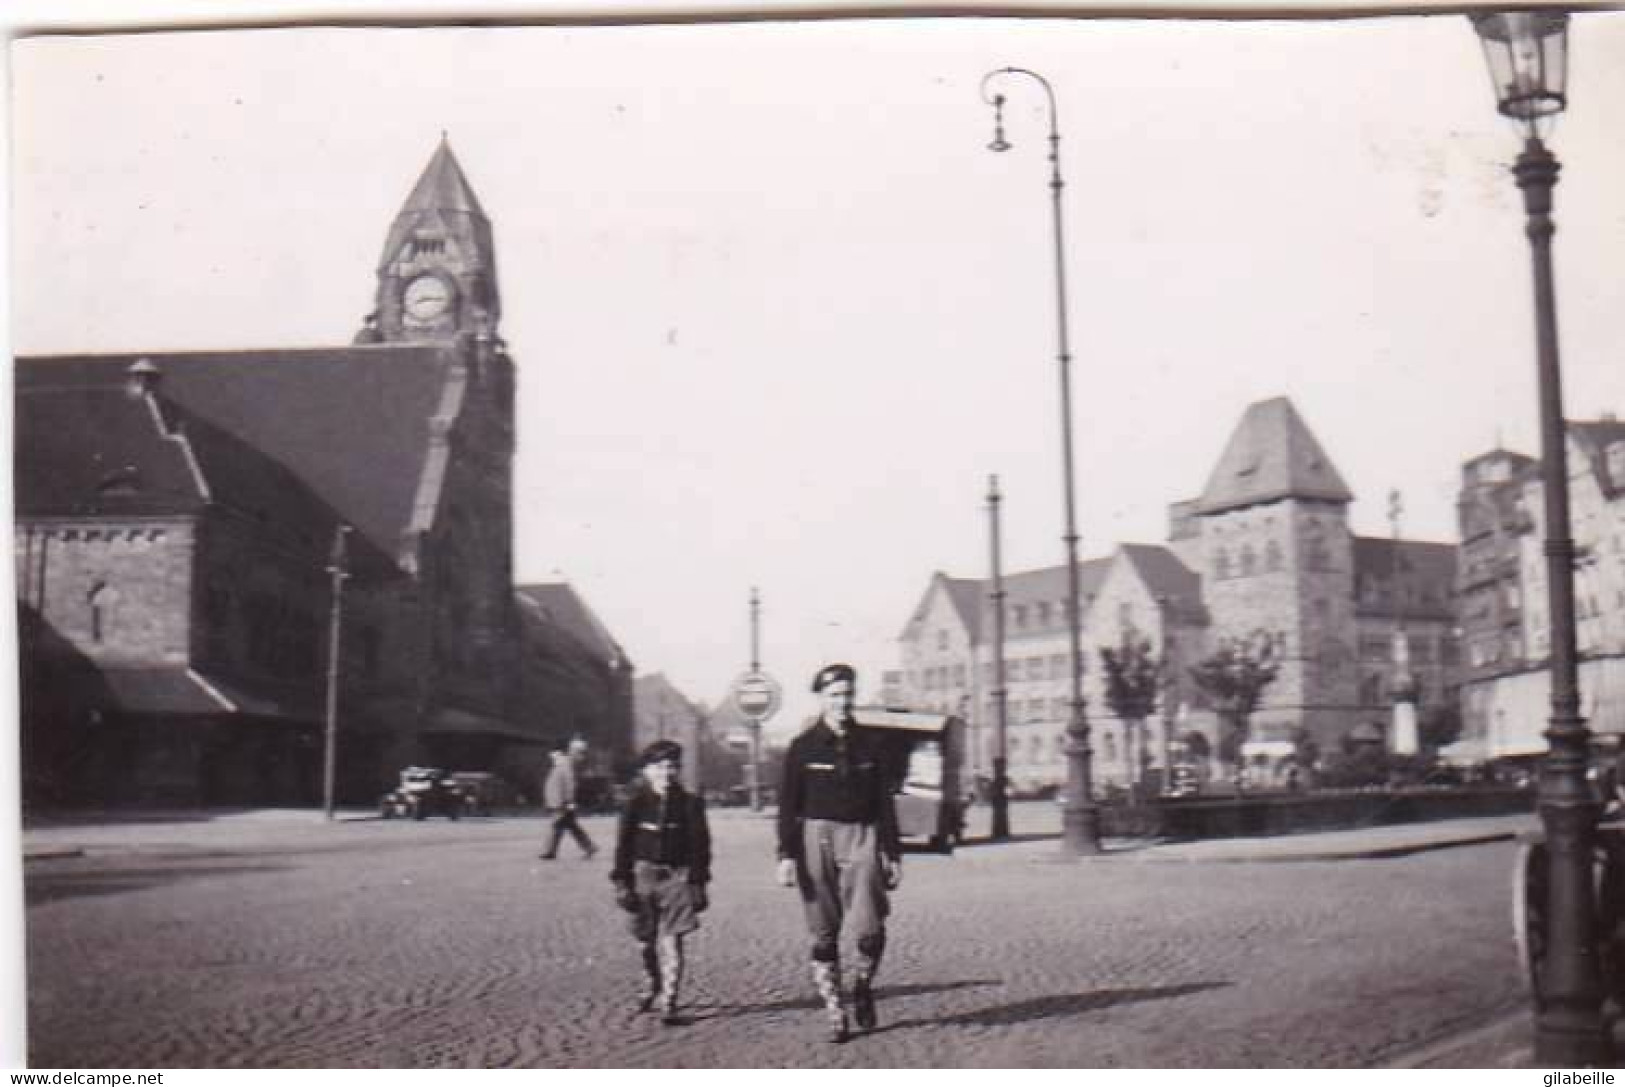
<point>338,569</point>
<point>1527,55</point>
<point>1000,786</point>
<point>1081,819</point>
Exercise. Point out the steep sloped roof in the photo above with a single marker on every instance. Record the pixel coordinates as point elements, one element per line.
<point>444,201</point>
<point>1271,455</point>
<point>353,423</point>
<point>98,450</point>
<point>1050,582</point>
<point>101,452</point>
<point>1166,577</point>
<point>559,605</point>
<point>1426,570</point>
<point>1594,438</point>
<point>964,594</point>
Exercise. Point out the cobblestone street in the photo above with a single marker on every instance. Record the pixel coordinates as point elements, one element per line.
<point>285,942</point>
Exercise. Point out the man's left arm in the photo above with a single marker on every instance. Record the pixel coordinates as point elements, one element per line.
<point>886,804</point>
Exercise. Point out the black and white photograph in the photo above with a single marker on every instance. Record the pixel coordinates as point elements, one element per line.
<point>852,537</point>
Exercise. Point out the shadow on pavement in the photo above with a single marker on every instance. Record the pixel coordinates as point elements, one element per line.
<point>812,1003</point>
<point>1014,839</point>
<point>1049,1007</point>
<point>58,885</point>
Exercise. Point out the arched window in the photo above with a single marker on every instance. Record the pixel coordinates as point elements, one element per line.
<point>1249,561</point>
<point>100,600</point>
<point>1221,564</point>
<point>1272,556</point>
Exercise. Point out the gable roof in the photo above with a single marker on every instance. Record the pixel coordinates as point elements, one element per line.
<point>1166,577</point>
<point>1426,570</point>
<point>95,451</point>
<point>970,597</point>
<point>104,452</point>
<point>353,423</point>
<point>965,596</point>
<point>561,607</point>
<point>1271,456</point>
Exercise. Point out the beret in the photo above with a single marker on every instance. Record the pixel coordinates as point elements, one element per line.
<point>832,673</point>
<point>661,751</point>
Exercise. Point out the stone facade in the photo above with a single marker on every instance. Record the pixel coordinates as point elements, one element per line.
<point>1505,612</point>
<point>1265,548</point>
<point>176,525</point>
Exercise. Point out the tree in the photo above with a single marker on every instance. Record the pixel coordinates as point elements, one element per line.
<point>1234,678</point>
<point>1440,725</point>
<point>1133,674</point>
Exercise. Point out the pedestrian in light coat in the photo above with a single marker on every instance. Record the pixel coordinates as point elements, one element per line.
<point>559,797</point>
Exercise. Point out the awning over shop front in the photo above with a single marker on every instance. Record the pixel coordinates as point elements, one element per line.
<point>451,721</point>
<point>177,690</point>
<point>180,691</point>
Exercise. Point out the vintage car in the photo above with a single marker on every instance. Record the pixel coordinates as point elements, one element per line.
<point>483,792</point>
<point>423,791</point>
<point>928,754</point>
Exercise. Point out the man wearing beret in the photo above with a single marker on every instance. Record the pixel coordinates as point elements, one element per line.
<point>838,844</point>
<point>662,866</point>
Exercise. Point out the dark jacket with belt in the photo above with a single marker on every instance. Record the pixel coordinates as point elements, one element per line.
<point>671,830</point>
<point>846,778</point>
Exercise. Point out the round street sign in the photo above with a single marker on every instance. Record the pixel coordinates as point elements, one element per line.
<point>757,695</point>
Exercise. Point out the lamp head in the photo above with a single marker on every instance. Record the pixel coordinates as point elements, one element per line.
<point>1527,53</point>
<point>998,143</point>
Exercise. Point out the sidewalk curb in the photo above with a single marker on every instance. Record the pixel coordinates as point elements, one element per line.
<point>1372,853</point>
<point>1488,1045</point>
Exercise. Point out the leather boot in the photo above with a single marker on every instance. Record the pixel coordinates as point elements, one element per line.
<point>651,979</point>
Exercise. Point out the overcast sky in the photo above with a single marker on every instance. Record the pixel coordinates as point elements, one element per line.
<point>778,313</point>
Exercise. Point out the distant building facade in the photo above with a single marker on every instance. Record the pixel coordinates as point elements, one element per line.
<point>1265,547</point>
<point>1503,586</point>
<point>576,680</point>
<point>176,519</point>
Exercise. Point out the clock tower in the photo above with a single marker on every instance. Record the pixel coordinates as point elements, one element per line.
<point>437,276</point>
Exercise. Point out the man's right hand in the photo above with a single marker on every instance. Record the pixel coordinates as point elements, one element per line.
<point>787,872</point>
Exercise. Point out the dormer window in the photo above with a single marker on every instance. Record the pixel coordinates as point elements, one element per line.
<point>125,480</point>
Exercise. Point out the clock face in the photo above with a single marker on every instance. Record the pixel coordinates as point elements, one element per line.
<point>426,298</point>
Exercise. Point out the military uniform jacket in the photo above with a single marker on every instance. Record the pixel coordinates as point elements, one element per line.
<point>670,830</point>
<point>845,778</point>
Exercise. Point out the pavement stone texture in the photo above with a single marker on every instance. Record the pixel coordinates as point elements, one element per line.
<point>277,940</point>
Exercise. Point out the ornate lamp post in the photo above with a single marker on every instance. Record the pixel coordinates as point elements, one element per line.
<point>1081,821</point>
<point>1527,55</point>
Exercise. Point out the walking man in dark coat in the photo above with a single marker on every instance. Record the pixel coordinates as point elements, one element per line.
<point>838,844</point>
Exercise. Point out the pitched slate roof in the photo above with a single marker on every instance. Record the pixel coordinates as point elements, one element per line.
<point>1271,455</point>
<point>1594,438</point>
<point>443,199</point>
<point>98,450</point>
<point>352,423</point>
<point>101,452</point>
<point>1167,577</point>
<point>559,606</point>
<point>966,595</point>
<point>1049,583</point>
<point>1426,570</point>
